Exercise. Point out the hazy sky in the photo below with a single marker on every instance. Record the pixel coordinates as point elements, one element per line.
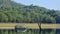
<point>50,4</point>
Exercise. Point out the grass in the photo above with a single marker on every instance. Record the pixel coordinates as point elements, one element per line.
<point>50,26</point>
<point>31,25</point>
<point>27,25</point>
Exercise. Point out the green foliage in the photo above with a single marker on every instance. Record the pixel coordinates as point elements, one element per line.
<point>11,11</point>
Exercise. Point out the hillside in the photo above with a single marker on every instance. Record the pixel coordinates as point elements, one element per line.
<point>11,11</point>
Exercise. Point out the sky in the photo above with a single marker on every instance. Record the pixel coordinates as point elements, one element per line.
<point>50,4</point>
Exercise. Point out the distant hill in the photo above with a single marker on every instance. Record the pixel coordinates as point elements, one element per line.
<point>10,5</point>
<point>11,11</point>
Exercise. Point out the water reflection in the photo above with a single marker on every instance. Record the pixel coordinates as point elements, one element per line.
<point>57,31</point>
<point>48,31</point>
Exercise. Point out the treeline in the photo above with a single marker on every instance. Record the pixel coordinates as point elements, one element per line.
<point>13,12</point>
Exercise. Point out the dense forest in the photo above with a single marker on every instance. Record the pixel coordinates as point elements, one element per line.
<point>11,11</point>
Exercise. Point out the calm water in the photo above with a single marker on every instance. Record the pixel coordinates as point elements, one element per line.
<point>50,31</point>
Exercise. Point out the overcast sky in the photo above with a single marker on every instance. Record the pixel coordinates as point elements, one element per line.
<point>50,4</point>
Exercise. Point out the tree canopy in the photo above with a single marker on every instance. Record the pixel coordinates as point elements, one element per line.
<point>11,11</point>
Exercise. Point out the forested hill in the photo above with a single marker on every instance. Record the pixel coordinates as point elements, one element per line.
<point>11,11</point>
